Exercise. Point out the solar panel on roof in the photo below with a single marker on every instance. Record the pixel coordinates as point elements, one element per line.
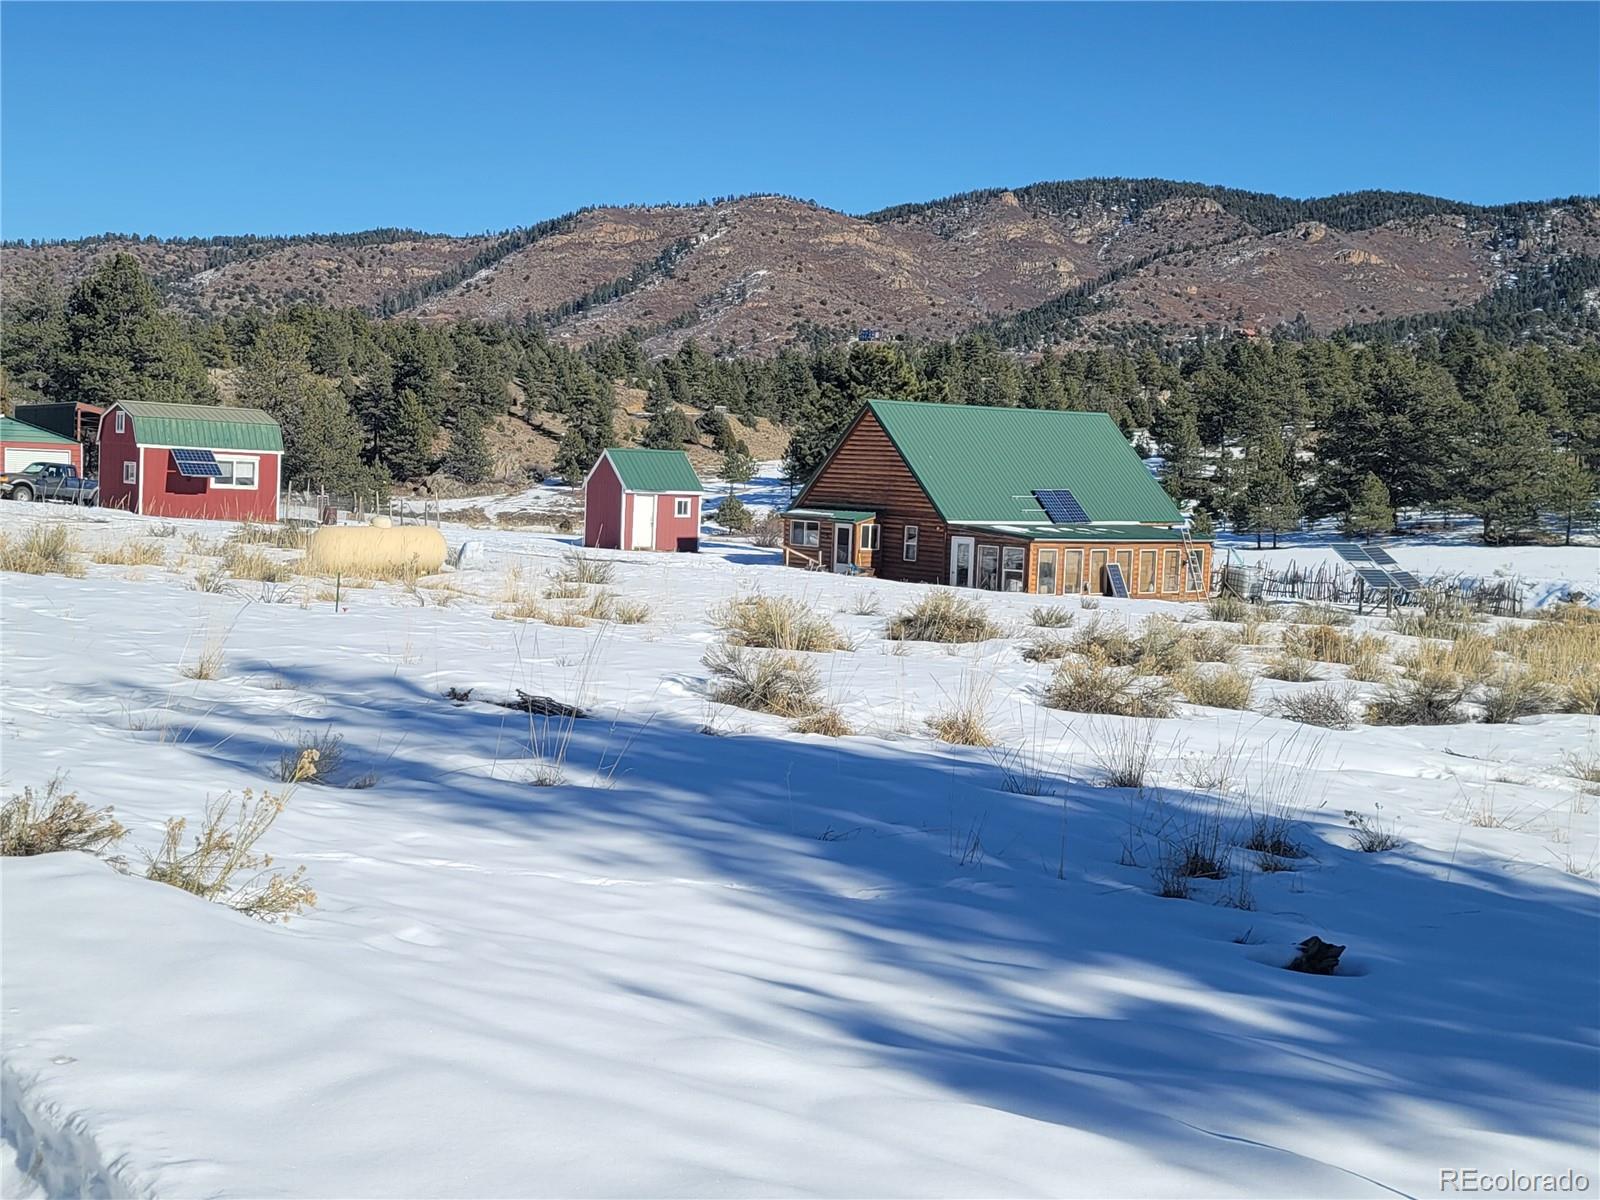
<point>1119,585</point>
<point>1061,506</point>
<point>197,463</point>
<point>1350,552</point>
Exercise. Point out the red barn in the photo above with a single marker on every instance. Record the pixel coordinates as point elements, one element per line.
<point>190,460</point>
<point>642,500</point>
<point>22,444</point>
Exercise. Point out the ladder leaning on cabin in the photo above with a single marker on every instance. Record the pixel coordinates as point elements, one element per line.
<point>1191,572</point>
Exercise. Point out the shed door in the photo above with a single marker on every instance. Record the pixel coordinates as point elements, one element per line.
<point>18,459</point>
<point>644,522</point>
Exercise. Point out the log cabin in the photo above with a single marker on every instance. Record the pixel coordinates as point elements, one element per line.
<point>1005,499</point>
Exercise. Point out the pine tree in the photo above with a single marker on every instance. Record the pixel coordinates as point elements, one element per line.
<point>668,428</point>
<point>1507,467</point>
<point>733,514</point>
<point>737,465</point>
<point>1572,495</point>
<point>467,457</point>
<point>1370,513</point>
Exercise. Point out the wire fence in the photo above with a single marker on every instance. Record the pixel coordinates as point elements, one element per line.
<point>1330,583</point>
<point>330,508</point>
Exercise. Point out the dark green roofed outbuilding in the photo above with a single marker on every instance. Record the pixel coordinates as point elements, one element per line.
<point>655,470</point>
<point>983,464</point>
<point>203,426</point>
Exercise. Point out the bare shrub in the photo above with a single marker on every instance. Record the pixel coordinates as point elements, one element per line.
<point>825,722</point>
<point>782,684</point>
<point>943,616</point>
<point>775,623</point>
<point>767,532</point>
<point>1162,648</point>
<point>1252,630</point>
<point>1273,832</point>
<point>1213,647</point>
<point>43,550</point>
<point>1096,687</point>
<point>1089,603</point>
<point>1227,688</point>
<point>131,554</point>
<point>1046,647</point>
<point>55,821</point>
<point>1106,642</point>
<point>1051,616</point>
<point>1514,694</point>
<point>865,604</point>
<point>1327,707</point>
<point>1226,607</point>
<point>1371,834</point>
<point>1428,699</point>
<point>211,580</point>
<point>311,756</point>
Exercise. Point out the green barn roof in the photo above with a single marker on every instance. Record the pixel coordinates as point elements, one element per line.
<point>983,464</point>
<point>13,430</point>
<point>655,470</point>
<point>202,426</point>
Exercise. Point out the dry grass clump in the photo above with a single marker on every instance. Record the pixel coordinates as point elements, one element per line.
<point>43,550</point>
<point>580,568</point>
<point>782,684</point>
<point>1095,686</point>
<point>1371,834</point>
<point>630,612</point>
<point>1252,630</point>
<point>1227,607</point>
<point>57,820</point>
<point>208,663</point>
<point>255,564</point>
<point>1051,616</point>
<point>775,623</point>
<point>942,616</point>
<point>1327,707</point>
<point>1291,668</point>
<point>1367,662</point>
<point>1046,647</point>
<point>1471,656</point>
<point>569,617</point>
<point>1329,644</point>
<point>1212,646</point>
<point>865,604</point>
<point>131,554</point>
<point>1318,613</point>
<point>964,721</point>
<point>1426,698</point>
<point>1106,642</point>
<point>1441,617</point>
<point>1227,688</point>
<point>825,722</point>
<point>1162,648</point>
<point>1124,751</point>
<point>566,589</point>
<point>524,607</point>
<point>284,537</point>
<point>1563,653</point>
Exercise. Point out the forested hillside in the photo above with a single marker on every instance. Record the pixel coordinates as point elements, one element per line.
<point>1084,262</point>
<point>1257,431</point>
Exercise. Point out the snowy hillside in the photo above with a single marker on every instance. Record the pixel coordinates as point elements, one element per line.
<point>676,948</point>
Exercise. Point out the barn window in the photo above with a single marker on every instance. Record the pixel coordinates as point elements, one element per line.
<point>680,507</point>
<point>908,545</point>
<point>130,469</point>
<point>122,427</point>
<point>869,537</point>
<point>235,473</point>
<point>804,533</point>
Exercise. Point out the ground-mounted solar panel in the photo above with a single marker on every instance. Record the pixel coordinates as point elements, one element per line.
<point>1376,578</point>
<point>1380,556</point>
<point>1061,506</point>
<point>197,463</point>
<point>1119,585</point>
<point>1407,580</point>
<point>1350,552</point>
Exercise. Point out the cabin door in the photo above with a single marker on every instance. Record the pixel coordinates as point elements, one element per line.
<point>843,540</point>
<point>961,562</point>
<point>644,523</point>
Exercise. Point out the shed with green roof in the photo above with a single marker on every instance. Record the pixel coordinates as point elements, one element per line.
<point>1007,499</point>
<point>209,461</point>
<point>23,444</point>
<point>637,499</point>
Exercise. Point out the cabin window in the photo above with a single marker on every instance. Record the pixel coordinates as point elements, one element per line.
<point>1196,570</point>
<point>989,567</point>
<point>1097,571</point>
<point>235,473</point>
<point>1124,559</point>
<point>1169,571</point>
<point>1013,566</point>
<point>869,536</point>
<point>1045,585</point>
<point>805,533</point>
<point>680,507</point>
<point>1147,571</point>
<point>122,427</point>
<point>908,544</point>
<point>1071,570</point>
<point>130,469</point>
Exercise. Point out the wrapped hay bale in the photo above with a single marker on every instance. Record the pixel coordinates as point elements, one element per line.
<point>376,552</point>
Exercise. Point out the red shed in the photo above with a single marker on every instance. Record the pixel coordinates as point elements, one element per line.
<point>642,500</point>
<point>190,460</point>
<point>22,444</point>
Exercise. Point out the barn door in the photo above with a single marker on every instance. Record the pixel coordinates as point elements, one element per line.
<point>644,522</point>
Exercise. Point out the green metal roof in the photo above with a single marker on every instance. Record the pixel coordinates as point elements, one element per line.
<point>13,430</point>
<point>655,470</point>
<point>1080,533</point>
<point>852,515</point>
<point>202,426</point>
<point>984,464</point>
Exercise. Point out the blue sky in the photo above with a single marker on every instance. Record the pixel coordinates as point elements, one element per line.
<point>285,118</point>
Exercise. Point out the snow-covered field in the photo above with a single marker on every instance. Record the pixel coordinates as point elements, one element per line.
<point>722,958</point>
